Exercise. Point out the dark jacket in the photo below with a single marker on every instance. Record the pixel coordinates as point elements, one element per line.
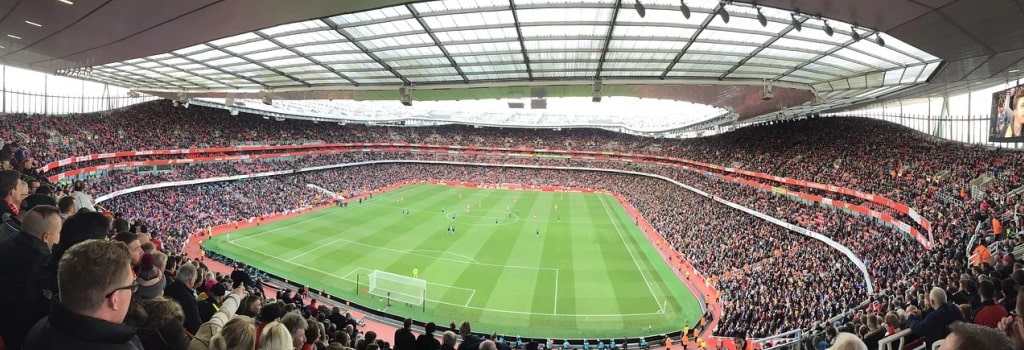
<point>240,277</point>
<point>471,342</point>
<point>871,339</point>
<point>404,340</point>
<point>160,323</point>
<point>427,342</point>
<point>63,330</point>
<point>21,265</point>
<point>935,324</point>
<point>207,308</point>
<point>10,226</point>
<point>183,295</point>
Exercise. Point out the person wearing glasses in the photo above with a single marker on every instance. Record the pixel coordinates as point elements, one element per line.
<point>96,286</point>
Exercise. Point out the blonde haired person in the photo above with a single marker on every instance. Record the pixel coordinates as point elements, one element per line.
<point>275,336</point>
<point>237,334</point>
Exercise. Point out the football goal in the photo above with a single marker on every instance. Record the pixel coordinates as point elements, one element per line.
<point>397,288</point>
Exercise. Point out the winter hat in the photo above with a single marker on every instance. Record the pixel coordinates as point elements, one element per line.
<point>151,280</point>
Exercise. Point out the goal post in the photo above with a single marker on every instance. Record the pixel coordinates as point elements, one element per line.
<point>403,289</point>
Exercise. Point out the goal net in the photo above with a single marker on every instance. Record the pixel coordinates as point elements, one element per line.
<point>402,289</point>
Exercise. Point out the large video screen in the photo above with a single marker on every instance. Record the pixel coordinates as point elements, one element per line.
<point>1007,121</point>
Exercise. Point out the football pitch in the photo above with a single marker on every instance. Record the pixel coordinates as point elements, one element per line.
<point>530,263</point>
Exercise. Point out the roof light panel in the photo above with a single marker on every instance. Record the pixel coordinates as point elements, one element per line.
<point>853,66</point>
<point>631,32</point>
<point>227,61</point>
<point>475,19</point>
<point>646,56</point>
<point>910,76</point>
<point>231,40</point>
<point>629,73</point>
<point>775,62</point>
<point>476,35</point>
<point>436,6</point>
<point>269,55</point>
<point>735,37</point>
<point>693,56</point>
<point>358,18</point>
<point>796,43</point>
<point>208,55</point>
<point>391,80</point>
<point>887,52</point>
<point>566,15</point>
<point>658,66</point>
<point>493,68</point>
<point>446,78</point>
<point>568,65</point>
<point>349,67</point>
<point>489,58</point>
<point>501,76</point>
<point>192,49</point>
<point>420,62</point>
<point>719,49</point>
<point>595,31</point>
<point>343,58</point>
<point>307,38</point>
<point>688,66</point>
<point>409,52</point>
<point>398,41</point>
<point>249,67</point>
<point>564,56</point>
<point>482,47</point>
<point>566,45</point>
<point>369,74</point>
<point>645,45</point>
<point>786,54</point>
<point>854,56</point>
<point>294,27</point>
<point>250,47</point>
<point>385,29</point>
<point>332,48</point>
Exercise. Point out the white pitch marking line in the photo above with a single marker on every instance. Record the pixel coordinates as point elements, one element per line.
<point>312,250</point>
<point>630,251</point>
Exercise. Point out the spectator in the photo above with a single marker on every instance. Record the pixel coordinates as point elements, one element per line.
<point>133,243</point>
<point>932,324</point>
<point>469,341</point>
<point>12,223</point>
<point>22,260</point>
<point>404,339</point>
<point>275,336</point>
<point>212,302</point>
<point>426,341</point>
<point>312,335</point>
<point>9,182</point>
<point>180,290</point>
<point>990,313</point>
<point>847,341</point>
<point>96,286</point>
<point>963,336</point>
<point>448,340</point>
<point>237,334</point>
<point>67,206</point>
<point>487,345</point>
<point>82,199</point>
<point>296,328</point>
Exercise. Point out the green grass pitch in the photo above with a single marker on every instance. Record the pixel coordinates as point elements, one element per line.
<point>590,273</point>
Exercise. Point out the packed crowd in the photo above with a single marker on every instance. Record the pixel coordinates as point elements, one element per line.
<point>764,290</point>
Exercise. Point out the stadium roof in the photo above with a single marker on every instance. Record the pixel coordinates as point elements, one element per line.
<point>461,49</point>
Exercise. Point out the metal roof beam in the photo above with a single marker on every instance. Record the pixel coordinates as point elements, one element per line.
<point>437,42</point>
<point>247,59</point>
<point>300,54</point>
<point>700,30</point>
<point>183,71</point>
<point>608,39</point>
<point>519,35</point>
<point>822,55</point>
<point>366,51</point>
<point>766,45</point>
<point>204,64</point>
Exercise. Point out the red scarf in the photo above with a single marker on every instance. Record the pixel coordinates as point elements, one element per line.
<point>14,209</point>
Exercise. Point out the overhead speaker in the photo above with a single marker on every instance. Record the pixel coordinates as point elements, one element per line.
<point>538,103</point>
<point>229,102</point>
<point>597,91</point>
<point>405,95</point>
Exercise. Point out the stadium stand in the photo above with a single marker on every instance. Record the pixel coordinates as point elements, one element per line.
<point>772,281</point>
